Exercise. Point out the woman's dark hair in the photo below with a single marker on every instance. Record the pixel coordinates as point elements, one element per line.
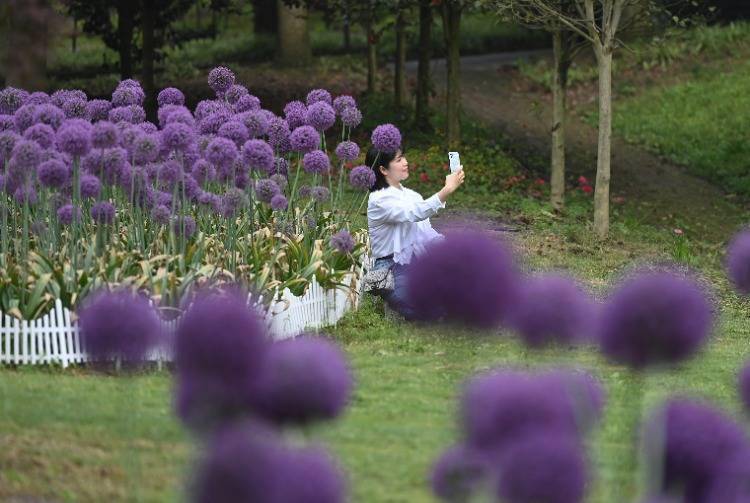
<point>374,159</point>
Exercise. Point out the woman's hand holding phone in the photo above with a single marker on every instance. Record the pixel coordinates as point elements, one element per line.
<point>452,182</point>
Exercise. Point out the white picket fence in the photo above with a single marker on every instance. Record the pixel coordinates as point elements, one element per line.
<point>53,338</point>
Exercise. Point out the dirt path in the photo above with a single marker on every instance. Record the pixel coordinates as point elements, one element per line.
<point>662,193</point>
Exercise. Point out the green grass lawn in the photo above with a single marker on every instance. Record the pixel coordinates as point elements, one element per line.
<point>72,435</point>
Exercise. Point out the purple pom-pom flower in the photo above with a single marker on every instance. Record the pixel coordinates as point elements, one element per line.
<point>316,162</point>
<point>258,154</point>
<point>104,134</point>
<point>170,96</point>
<point>279,202</point>
<point>386,138</point>
<point>738,262</point>
<point>318,95</point>
<point>221,151</point>
<point>74,137</point>
<point>53,173</point>
<point>347,151</point>
<point>266,189</point>
<point>343,102</point>
<point>295,113</point>
<point>304,139</point>
<point>343,242</point>
<point>43,134</point>
<point>351,117</point>
<point>362,178</point>
<point>103,212</point>
<point>220,79</point>
<point>67,213</point>
<point>321,116</point>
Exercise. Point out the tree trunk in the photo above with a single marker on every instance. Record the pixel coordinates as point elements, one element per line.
<point>559,89</point>
<point>265,17</point>
<point>451,29</point>
<point>372,56</point>
<point>422,112</point>
<point>29,25</point>
<point>603,160</point>
<point>147,62</point>
<point>294,38</point>
<point>399,89</point>
<point>347,29</point>
<point>125,38</point>
<point>74,36</point>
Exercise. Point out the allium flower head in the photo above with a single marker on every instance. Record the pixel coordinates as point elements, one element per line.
<point>7,123</point>
<point>211,123</point>
<point>318,95</point>
<point>148,127</point>
<point>320,194</point>
<point>161,214</point>
<point>145,148</point>
<point>731,484</point>
<point>207,107</point>
<point>75,108</point>
<point>343,102</point>
<point>234,93</point>
<point>221,344</point>
<point>654,318</point>
<point>386,138</point>
<point>266,189</point>
<point>304,139</point>
<point>280,180</point>
<point>256,123</point>
<point>175,113</point>
<point>280,166</point>
<point>233,201</point>
<point>221,151</point>
<point>119,324</point>
<point>258,154</point>
<point>177,136</point>
<point>67,213</point>
<point>90,186</point>
<point>320,115</point>
<point>74,137</point>
<point>303,379</point>
<point>738,262</point>
<point>38,98</point>
<point>26,154</point>
<point>467,278</point>
<point>103,212</point>
<point>104,134</point>
<point>25,194</point>
<point>351,117</point>
<point>220,79</point>
<point>128,92</point>
<point>347,151</point>
<point>170,96</point>
<point>138,114</point>
<point>461,473</point>
<point>295,113</point>
<point>49,114</point>
<point>548,466</point>
<point>8,141</point>
<point>203,171</point>
<point>278,132</point>
<point>279,202</point>
<point>120,114</point>
<point>43,134</point>
<point>362,178</point>
<point>184,226</point>
<point>312,476</point>
<point>552,308</point>
<point>246,103</point>
<point>53,173</point>
<point>98,110</point>
<point>11,99</point>
<point>24,117</point>
<point>692,441</point>
<point>343,242</point>
<point>234,130</point>
<point>316,162</point>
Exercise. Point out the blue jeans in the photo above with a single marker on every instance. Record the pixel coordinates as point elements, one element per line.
<point>396,299</point>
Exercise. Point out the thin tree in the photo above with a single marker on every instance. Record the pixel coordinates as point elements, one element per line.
<point>451,11</point>
<point>399,81</point>
<point>422,106</point>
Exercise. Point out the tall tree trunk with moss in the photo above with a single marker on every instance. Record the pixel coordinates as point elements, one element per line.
<point>604,153</point>
<point>148,20</point>
<point>29,24</point>
<point>422,110</point>
<point>399,90</point>
<point>125,37</point>
<point>452,29</point>
<point>294,37</point>
<point>562,57</point>
<point>346,27</point>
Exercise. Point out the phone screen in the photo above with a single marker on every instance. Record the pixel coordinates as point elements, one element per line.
<point>454,161</point>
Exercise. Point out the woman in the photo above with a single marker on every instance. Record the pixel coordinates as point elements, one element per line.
<point>399,220</point>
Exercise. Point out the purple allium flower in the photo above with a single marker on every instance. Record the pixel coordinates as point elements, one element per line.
<point>138,114</point>
<point>731,484</point>
<point>43,134</point>
<point>362,177</point>
<point>258,154</point>
<point>691,442</point>
<point>386,138</point>
<point>655,318</point>
<point>220,79</point>
<point>278,132</point>
<point>211,123</point>
<point>466,278</point>
<point>207,107</point>
<point>547,466</point>
<point>98,110</point>
<point>217,370</point>
<point>53,173</point>
<point>460,473</point>
<point>552,308</point>
<point>190,187</point>
<point>501,406</point>
<point>114,161</point>
<point>266,189</point>
<point>343,242</point>
<point>125,96</point>
<point>738,261</point>
<point>184,226</point>
<point>164,198</point>
<point>246,103</point>
<point>280,180</point>
<point>25,194</point>
<point>8,141</point>
<point>320,115</point>
<point>295,113</point>
<point>175,113</point>
<point>744,386</point>
<point>148,127</point>
<point>281,166</point>
<point>203,171</point>
<point>24,117</point>
<point>161,214</point>
<point>244,463</point>
<point>145,148</point>
<point>234,93</point>
<point>104,134</point>
<point>234,130</point>
<point>351,117</point>
<point>67,213</point>
<point>128,135</point>
<point>343,102</point>
<point>168,174</point>
<point>38,98</point>
<point>221,151</point>
<point>255,122</point>
<point>49,114</point>
<point>170,96</point>
<point>312,476</point>
<point>316,162</point>
<point>303,379</point>
<point>129,83</point>
<point>120,114</point>
<point>11,99</point>
<point>75,108</point>
<point>233,201</point>
<point>304,191</point>
<point>119,324</point>
<point>318,95</point>
<point>26,154</point>
<point>7,123</point>
<point>90,186</point>
<point>74,137</point>
<point>177,136</point>
<point>279,202</point>
<point>347,151</point>
<point>320,194</point>
<point>103,212</point>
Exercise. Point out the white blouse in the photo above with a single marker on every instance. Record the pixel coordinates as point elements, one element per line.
<point>399,222</point>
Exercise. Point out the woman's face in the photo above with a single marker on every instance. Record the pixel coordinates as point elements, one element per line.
<point>398,169</point>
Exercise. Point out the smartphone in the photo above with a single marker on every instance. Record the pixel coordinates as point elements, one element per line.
<point>455,161</point>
